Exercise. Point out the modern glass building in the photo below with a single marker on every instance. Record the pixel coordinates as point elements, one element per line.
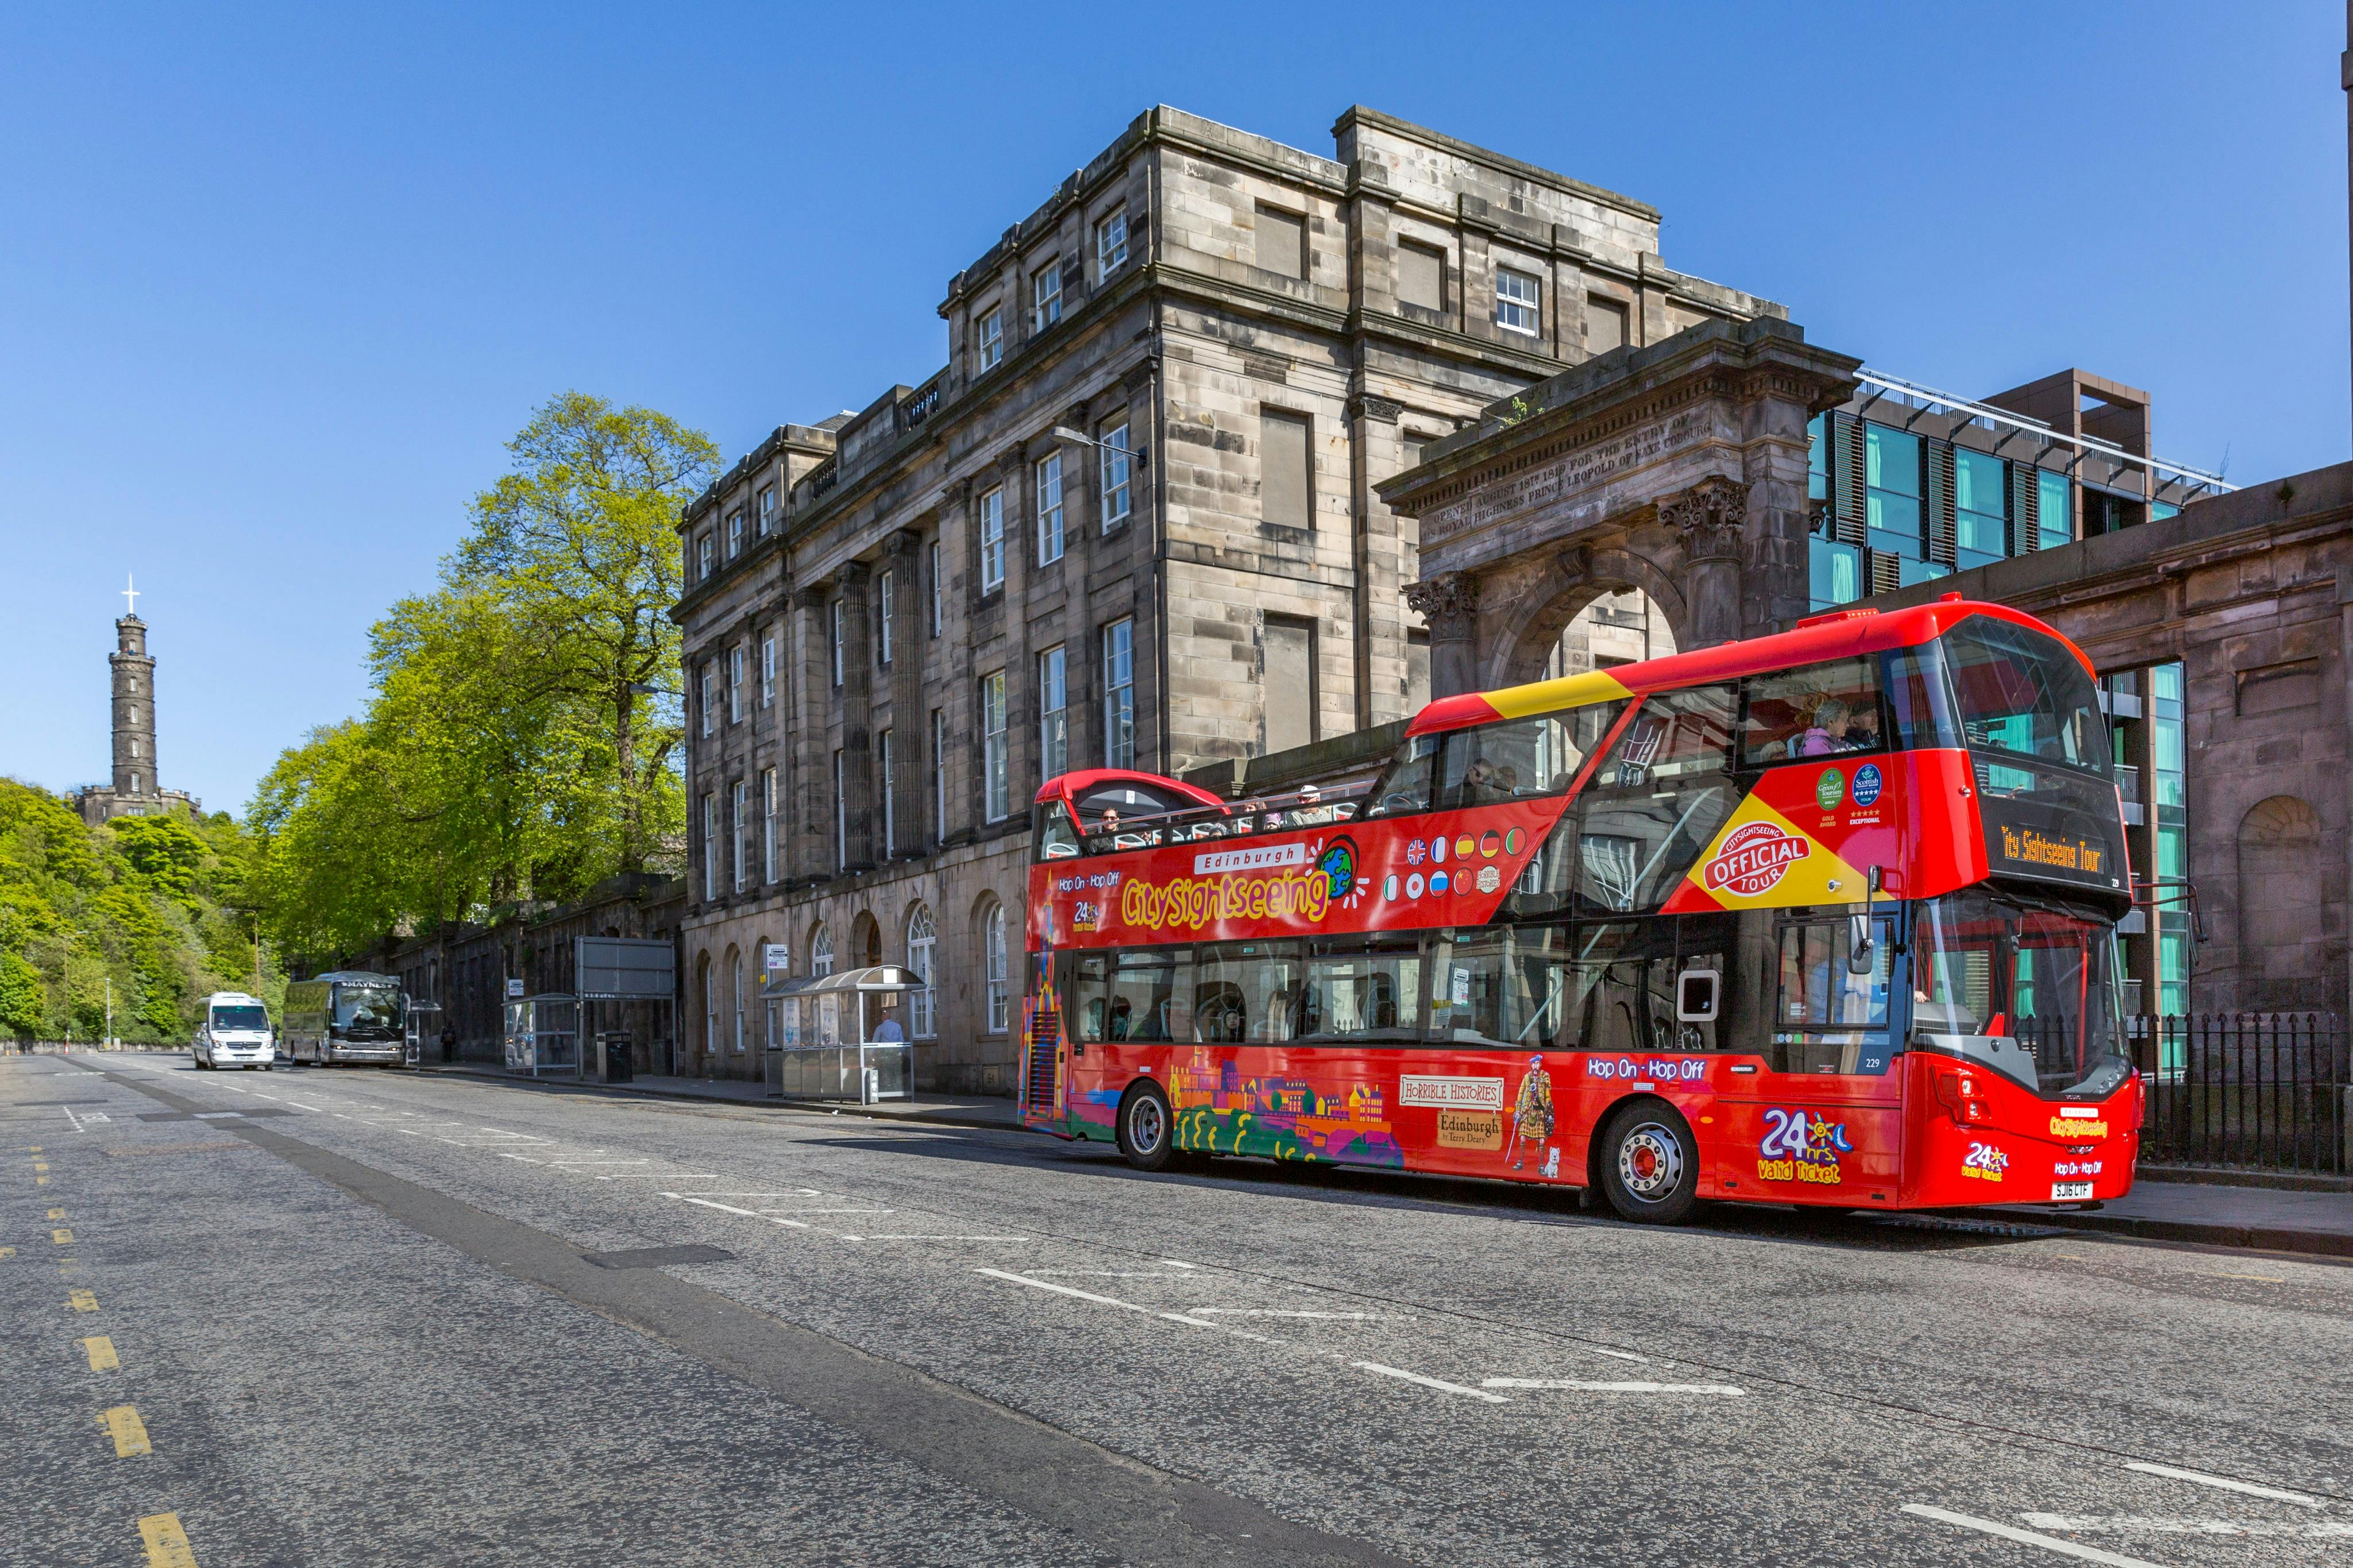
<point>1909,484</point>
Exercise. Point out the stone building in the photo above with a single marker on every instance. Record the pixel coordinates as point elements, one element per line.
<point>135,789</point>
<point>1134,520</point>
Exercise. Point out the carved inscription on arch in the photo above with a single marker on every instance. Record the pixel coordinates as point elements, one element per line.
<point>1548,483</point>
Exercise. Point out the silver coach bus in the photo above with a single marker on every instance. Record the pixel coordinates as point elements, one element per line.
<point>346,1015</point>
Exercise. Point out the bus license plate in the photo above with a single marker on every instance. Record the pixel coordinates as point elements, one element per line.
<point>2062,1191</point>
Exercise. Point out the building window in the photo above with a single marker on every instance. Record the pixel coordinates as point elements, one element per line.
<point>767,509</point>
<point>939,774</point>
<point>1834,573</point>
<point>840,817</point>
<point>997,803</point>
<point>768,825</point>
<point>1818,457</point>
<point>1284,488</point>
<point>992,337</point>
<point>1115,455</point>
<point>890,796</point>
<point>1050,509</point>
<point>709,845</point>
<point>1519,301</point>
<point>134,783</point>
<point>1421,276</point>
<point>134,746</point>
<point>884,596</point>
<point>939,593</point>
<point>2054,509</point>
<point>1290,684</point>
<point>1046,295</point>
<point>995,969</point>
<point>742,833</point>
<point>992,541</point>
<point>821,951</point>
<point>709,699</point>
<point>1111,243</point>
<point>1053,716</point>
<point>1604,325</point>
<point>922,946</point>
<point>735,685</point>
<point>702,556</point>
<point>1892,464</point>
<point>833,614</point>
<point>1282,242</point>
<point>735,982</point>
<point>735,533</point>
<point>1119,694</point>
<point>1980,507</point>
<point>767,671</point>
<point>709,1006</point>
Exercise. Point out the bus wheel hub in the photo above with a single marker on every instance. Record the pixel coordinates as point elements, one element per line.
<point>1650,1162</point>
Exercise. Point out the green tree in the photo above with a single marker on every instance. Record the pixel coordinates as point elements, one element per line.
<point>519,742</point>
<point>582,543</point>
<point>23,1003</point>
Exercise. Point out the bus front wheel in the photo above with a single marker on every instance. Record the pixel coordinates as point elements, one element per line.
<point>1147,1132</point>
<point>1650,1164</point>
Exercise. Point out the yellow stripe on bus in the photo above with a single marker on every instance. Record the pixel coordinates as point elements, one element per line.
<point>1549,696</point>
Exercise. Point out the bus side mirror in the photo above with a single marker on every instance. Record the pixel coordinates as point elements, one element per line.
<point>1858,927</point>
<point>1696,996</point>
<point>1858,944</point>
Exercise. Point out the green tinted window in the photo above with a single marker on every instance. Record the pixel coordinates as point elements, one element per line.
<point>2056,509</point>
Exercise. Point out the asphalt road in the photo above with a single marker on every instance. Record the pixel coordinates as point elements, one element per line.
<point>352,1316</point>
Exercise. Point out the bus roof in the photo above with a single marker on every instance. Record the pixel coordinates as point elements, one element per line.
<point>1076,786</point>
<point>1840,634</point>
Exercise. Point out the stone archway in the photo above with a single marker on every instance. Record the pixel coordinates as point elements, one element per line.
<point>1680,469</point>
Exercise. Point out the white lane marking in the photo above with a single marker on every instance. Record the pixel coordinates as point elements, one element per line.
<point>71,1116</point>
<point>599,1162</point>
<point>661,1175</point>
<point>2027,1537</point>
<point>1582,1385</point>
<point>828,1211</point>
<point>2201,1478</point>
<point>524,1158</point>
<point>747,1214</point>
<point>1112,1273</point>
<point>1281,1312</point>
<point>1065,1290</point>
<point>1617,1355</point>
<point>1173,1263</point>
<point>2313,1529</point>
<point>300,1105</point>
<point>1229,1329</point>
<point>905,1236</point>
<point>788,1192</point>
<point>1437,1383</point>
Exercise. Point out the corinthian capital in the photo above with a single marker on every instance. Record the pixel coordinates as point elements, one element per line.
<point>1449,602</point>
<point>1710,516</point>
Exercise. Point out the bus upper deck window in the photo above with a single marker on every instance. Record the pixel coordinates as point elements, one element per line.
<point>1815,711</point>
<point>1057,839</point>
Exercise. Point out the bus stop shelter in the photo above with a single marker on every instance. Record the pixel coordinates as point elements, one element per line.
<point>543,1033</point>
<point>841,1036</point>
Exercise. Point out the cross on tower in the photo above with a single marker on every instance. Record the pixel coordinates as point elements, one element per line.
<point>130,595</point>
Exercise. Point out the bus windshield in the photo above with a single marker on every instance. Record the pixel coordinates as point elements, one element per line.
<point>244,1016</point>
<point>2033,969</point>
<point>366,1010</point>
<point>2026,693</point>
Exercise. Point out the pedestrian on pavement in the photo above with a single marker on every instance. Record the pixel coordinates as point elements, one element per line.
<point>450,1041</point>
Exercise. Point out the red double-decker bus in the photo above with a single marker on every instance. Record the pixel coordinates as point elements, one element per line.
<point>1822,917</point>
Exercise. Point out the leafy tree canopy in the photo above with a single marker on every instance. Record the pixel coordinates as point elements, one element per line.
<point>522,739</point>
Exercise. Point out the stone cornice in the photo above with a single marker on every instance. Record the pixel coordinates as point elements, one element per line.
<point>1607,396</point>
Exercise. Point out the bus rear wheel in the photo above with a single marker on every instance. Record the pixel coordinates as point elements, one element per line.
<point>1650,1164</point>
<point>1148,1131</point>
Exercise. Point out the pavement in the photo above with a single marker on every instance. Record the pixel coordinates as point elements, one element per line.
<point>346,1316</point>
<point>948,1109</point>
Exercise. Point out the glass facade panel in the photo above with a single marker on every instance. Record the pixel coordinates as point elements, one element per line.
<point>2055,506</point>
<point>1892,464</point>
<point>1835,573</point>
<point>1982,506</point>
<point>1818,457</point>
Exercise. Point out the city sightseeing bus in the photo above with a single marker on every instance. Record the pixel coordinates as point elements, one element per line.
<point>1823,917</point>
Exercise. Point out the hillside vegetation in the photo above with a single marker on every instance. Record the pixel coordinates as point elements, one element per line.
<point>151,908</point>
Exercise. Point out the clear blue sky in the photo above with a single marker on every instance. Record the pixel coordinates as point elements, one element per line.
<point>274,289</point>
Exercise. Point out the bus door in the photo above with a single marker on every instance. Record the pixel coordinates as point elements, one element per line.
<point>1820,1119</point>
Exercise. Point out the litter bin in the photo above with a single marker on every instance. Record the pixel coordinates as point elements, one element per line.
<point>614,1048</point>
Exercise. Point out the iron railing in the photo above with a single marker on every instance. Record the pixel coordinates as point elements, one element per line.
<point>2269,1091</point>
